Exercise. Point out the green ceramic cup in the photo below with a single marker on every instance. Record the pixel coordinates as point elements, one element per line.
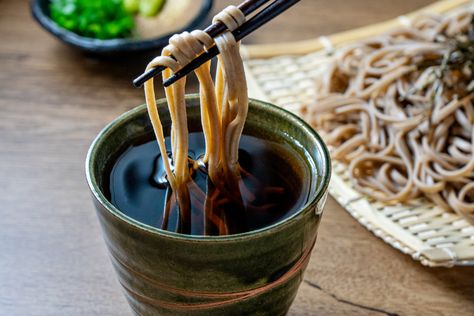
<point>253,273</point>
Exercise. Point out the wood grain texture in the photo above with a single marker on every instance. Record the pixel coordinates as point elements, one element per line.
<point>54,100</point>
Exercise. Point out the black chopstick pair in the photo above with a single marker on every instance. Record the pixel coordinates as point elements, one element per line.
<point>271,11</point>
<point>247,7</point>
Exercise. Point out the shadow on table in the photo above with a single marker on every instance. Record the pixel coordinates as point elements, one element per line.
<point>458,279</point>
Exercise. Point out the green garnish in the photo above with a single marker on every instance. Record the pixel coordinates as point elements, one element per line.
<point>102,19</point>
<point>150,7</point>
<point>131,6</point>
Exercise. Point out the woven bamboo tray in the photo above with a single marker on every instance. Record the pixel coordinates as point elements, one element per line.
<point>284,75</point>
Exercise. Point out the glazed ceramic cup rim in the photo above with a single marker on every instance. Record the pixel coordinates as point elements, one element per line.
<point>320,189</point>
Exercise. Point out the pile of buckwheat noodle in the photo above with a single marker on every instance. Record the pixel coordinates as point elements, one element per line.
<point>398,109</point>
<point>223,112</point>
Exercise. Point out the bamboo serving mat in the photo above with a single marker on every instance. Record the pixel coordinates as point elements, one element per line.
<point>284,74</point>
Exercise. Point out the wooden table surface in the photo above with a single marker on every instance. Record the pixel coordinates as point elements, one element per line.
<point>53,261</point>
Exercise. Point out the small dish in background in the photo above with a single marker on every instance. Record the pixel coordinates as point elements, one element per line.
<point>149,33</point>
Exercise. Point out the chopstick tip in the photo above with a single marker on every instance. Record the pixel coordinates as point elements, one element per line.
<point>137,83</point>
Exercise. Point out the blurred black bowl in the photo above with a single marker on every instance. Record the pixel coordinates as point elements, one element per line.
<point>40,11</point>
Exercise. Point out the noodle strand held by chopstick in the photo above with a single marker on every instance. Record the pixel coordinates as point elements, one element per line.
<point>223,112</point>
<point>399,110</point>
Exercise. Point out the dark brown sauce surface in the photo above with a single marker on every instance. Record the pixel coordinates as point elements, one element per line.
<point>136,185</point>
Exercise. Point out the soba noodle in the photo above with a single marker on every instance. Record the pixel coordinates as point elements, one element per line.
<point>398,109</point>
<point>223,113</point>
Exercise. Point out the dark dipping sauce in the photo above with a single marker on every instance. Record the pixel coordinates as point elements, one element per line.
<point>137,187</point>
